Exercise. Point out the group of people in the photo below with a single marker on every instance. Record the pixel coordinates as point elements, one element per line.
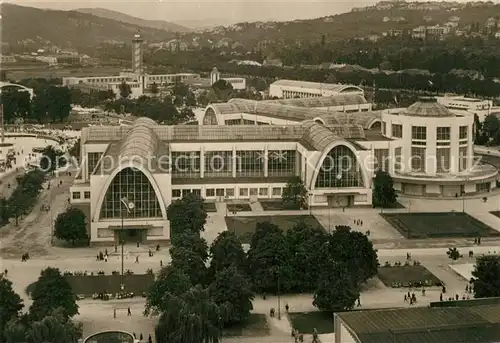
<point>25,257</point>
<point>412,298</point>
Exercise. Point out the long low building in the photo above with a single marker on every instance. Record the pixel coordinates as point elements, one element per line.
<point>465,323</point>
<point>290,89</point>
<point>336,155</point>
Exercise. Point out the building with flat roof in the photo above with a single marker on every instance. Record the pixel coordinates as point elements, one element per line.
<point>248,150</point>
<point>420,324</point>
<point>289,89</point>
<point>468,106</point>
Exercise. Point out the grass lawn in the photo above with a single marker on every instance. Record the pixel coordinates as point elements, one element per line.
<point>407,274</point>
<point>209,207</point>
<point>306,322</point>
<point>244,227</point>
<point>438,225</point>
<point>239,208</point>
<point>394,205</point>
<point>274,205</point>
<point>255,326</point>
<point>90,284</point>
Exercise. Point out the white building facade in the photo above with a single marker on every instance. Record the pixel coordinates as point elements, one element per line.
<point>427,149</point>
<point>431,152</point>
<point>468,106</point>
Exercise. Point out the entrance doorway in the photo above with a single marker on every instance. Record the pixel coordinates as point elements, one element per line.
<point>129,235</point>
<point>340,201</point>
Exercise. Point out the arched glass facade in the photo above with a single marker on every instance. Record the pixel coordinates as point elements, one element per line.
<point>210,118</point>
<point>340,168</point>
<point>135,186</point>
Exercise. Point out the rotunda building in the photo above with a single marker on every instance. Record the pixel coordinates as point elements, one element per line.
<point>432,152</point>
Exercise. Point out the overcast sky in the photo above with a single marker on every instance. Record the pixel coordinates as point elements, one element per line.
<point>237,10</point>
<point>196,10</point>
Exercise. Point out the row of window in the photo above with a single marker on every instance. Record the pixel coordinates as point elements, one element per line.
<point>227,192</point>
<point>443,133</point>
<point>222,163</point>
<point>292,95</point>
<point>443,159</point>
<point>78,195</point>
<point>107,80</point>
<point>243,122</point>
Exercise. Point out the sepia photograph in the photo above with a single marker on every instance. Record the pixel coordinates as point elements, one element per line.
<point>242,171</point>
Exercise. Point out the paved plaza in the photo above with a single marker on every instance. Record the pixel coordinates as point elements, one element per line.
<point>33,235</point>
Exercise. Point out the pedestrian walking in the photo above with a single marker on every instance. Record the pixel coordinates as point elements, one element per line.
<point>129,313</point>
<point>150,340</point>
<point>137,259</point>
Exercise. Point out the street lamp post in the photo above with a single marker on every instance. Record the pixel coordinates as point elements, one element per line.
<point>128,206</point>
<point>310,203</point>
<point>463,194</point>
<point>279,293</point>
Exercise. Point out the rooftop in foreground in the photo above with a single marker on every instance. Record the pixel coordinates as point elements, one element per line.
<point>426,324</point>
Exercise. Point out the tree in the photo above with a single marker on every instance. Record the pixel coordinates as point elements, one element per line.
<point>51,328</point>
<point>268,259</point>
<point>125,90</point>
<point>52,159</point>
<point>453,254</point>
<point>232,289</point>
<point>188,114</point>
<point>70,226</point>
<point>171,281</point>
<point>15,331</point>
<point>222,89</point>
<point>187,213</point>
<point>56,328</point>
<point>202,99</point>
<point>154,88</point>
<point>58,103</point>
<point>225,251</point>
<point>384,194</point>
<point>74,151</point>
<point>486,275</point>
<point>491,125</point>
<point>192,241</point>
<point>5,211</point>
<point>295,195</point>
<point>353,249</point>
<point>10,304</point>
<point>190,263</point>
<point>190,99</point>
<point>337,290</point>
<point>307,248</point>
<point>193,317</point>
<point>52,291</point>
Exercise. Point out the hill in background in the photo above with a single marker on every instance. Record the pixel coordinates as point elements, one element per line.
<point>68,28</point>
<point>124,18</point>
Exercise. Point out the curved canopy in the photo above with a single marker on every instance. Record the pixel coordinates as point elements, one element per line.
<point>141,141</point>
<point>333,87</point>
